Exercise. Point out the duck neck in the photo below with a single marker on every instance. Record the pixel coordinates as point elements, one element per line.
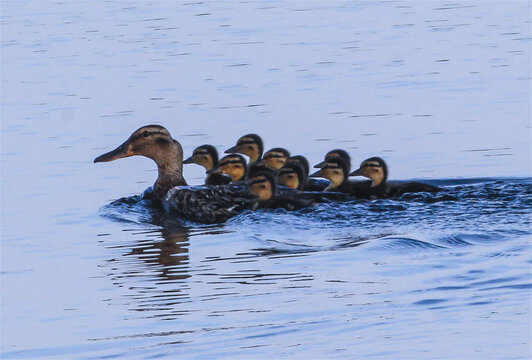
<point>170,168</point>
<point>378,180</point>
<point>335,183</point>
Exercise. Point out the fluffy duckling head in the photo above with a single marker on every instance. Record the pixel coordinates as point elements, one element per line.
<point>204,155</point>
<point>262,185</point>
<point>275,158</point>
<point>292,175</point>
<point>301,160</point>
<point>336,153</point>
<point>335,170</point>
<point>373,168</point>
<point>233,165</point>
<point>250,145</point>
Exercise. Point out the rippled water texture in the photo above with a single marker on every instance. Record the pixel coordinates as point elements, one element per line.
<point>440,90</point>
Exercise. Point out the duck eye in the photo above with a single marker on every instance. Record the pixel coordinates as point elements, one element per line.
<point>146,133</point>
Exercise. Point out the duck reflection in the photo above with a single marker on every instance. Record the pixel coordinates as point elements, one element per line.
<point>169,255</point>
<point>154,264</point>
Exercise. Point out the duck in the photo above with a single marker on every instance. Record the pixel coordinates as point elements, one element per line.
<point>207,156</point>
<point>264,186</point>
<point>292,175</point>
<point>250,145</point>
<point>376,170</point>
<point>336,153</point>
<point>335,169</point>
<point>232,165</point>
<point>205,204</point>
<point>310,184</point>
<point>274,158</point>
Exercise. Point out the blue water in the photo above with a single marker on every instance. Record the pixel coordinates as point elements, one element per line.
<point>440,90</point>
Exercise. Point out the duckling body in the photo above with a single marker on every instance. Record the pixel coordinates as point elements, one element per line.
<point>207,156</point>
<point>376,169</point>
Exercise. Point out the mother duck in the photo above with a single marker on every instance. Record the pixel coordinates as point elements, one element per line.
<point>204,204</point>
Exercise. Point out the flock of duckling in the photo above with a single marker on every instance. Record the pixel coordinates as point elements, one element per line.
<point>273,179</point>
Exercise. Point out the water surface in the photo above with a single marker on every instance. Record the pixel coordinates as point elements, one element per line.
<point>440,90</point>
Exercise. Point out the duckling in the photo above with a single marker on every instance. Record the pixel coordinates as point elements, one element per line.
<point>207,156</point>
<point>233,165</point>
<point>250,145</point>
<point>274,158</point>
<point>203,204</point>
<point>376,169</point>
<point>292,175</point>
<point>310,184</point>
<point>262,184</point>
<point>301,160</point>
<point>335,170</point>
<point>336,153</point>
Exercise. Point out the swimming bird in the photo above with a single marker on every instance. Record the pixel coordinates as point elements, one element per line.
<point>310,184</point>
<point>376,169</point>
<point>335,170</point>
<point>292,175</point>
<point>250,145</point>
<point>274,158</point>
<point>264,186</point>
<point>336,153</point>
<point>210,204</point>
<point>233,165</point>
<point>207,156</point>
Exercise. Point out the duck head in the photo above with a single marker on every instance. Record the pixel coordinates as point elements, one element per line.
<point>250,145</point>
<point>262,185</point>
<point>335,170</point>
<point>373,168</point>
<point>233,165</point>
<point>301,160</point>
<point>275,158</point>
<point>336,153</point>
<point>204,155</point>
<point>292,175</point>
<point>156,143</point>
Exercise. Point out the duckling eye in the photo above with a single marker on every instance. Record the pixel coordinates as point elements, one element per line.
<point>263,186</point>
<point>146,133</point>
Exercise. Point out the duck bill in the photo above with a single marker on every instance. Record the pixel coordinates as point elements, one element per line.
<point>231,150</point>
<point>316,174</point>
<point>357,172</point>
<point>120,152</point>
<point>189,160</point>
<point>320,165</point>
<point>214,170</point>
